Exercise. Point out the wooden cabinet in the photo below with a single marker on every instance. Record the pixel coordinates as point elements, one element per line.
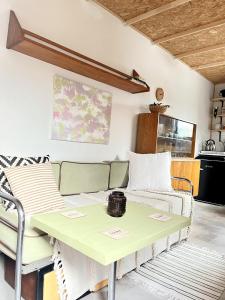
<point>186,168</point>
<point>159,133</point>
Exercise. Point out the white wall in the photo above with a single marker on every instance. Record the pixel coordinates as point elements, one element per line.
<point>26,83</point>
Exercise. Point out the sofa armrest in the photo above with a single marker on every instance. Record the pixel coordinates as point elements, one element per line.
<point>184,180</point>
<point>19,245</point>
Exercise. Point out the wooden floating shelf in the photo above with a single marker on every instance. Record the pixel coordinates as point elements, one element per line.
<point>219,130</point>
<point>218,99</point>
<point>219,115</point>
<point>33,45</point>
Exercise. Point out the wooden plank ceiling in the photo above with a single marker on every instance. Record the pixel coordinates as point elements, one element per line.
<point>192,30</point>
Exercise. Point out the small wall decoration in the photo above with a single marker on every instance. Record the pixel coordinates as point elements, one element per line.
<point>81,113</point>
<point>159,94</point>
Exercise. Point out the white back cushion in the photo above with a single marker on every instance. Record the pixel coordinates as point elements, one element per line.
<point>150,172</point>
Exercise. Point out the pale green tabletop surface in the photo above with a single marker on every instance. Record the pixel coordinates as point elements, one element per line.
<point>85,233</point>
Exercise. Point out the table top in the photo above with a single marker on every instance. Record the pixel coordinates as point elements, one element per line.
<point>85,234</point>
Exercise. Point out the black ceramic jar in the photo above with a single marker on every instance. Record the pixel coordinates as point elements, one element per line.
<point>116,204</point>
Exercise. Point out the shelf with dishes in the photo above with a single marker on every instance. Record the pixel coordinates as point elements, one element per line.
<point>179,155</point>
<point>181,148</point>
<point>160,133</point>
<point>220,132</point>
<point>184,154</point>
<point>218,99</point>
<point>174,138</point>
<point>219,115</point>
<point>217,130</point>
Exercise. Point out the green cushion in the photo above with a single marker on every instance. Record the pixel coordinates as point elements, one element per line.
<point>35,248</point>
<point>36,243</point>
<point>83,177</point>
<point>12,219</point>
<point>118,174</point>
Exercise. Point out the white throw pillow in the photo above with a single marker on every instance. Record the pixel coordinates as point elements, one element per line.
<point>35,187</point>
<point>150,172</point>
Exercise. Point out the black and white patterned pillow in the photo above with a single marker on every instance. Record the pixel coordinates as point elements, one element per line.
<point>14,161</point>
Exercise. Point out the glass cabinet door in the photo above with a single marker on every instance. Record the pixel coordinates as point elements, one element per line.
<point>175,136</point>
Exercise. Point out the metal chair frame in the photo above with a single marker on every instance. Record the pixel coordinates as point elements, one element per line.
<point>185,180</point>
<point>19,244</point>
<point>21,229</point>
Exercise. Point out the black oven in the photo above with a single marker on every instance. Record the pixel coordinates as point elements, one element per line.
<point>212,179</point>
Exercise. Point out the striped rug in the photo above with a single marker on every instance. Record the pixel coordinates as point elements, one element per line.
<point>185,272</point>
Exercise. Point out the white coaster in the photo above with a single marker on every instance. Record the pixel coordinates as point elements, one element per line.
<point>116,233</point>
<point>73,214</point>
<point>160,217</point>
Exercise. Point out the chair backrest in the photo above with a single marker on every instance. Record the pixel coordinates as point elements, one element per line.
<point>78,177</point>
<point>118,174</point>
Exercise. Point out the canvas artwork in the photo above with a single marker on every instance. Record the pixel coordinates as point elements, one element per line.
<point>81,113</point>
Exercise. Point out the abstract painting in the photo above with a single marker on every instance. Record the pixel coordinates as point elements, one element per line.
<point>81,113</point>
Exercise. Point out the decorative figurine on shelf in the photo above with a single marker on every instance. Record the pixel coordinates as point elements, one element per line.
<point>215,111</point>
<point>137,77</point>
<point>222,93</point>
<point>210,145</point>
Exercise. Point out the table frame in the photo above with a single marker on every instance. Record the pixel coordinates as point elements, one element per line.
<point>112,282</point>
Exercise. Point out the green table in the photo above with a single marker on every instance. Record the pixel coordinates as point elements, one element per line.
<point>85,234</point>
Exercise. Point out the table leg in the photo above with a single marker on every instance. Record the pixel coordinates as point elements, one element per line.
<point>112,282</point>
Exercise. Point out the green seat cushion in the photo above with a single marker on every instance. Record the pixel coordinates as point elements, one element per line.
<point>118,174</point>
<point>11,219</point>
<point>83,177</point>
<point>36,243</point>
<point>34,249</point>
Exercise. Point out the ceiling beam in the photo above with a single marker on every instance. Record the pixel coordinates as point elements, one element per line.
<point>156,11</point>
<point>190,32</point>
<point>199,51</point>
<point>208,66</point>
